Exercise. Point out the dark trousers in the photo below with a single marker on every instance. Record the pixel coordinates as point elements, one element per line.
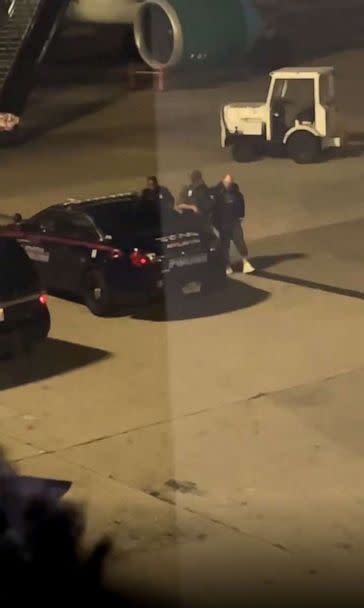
<point>233,233</point>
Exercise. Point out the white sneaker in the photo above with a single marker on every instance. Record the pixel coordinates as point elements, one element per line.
<point>248,268</point>
<point>229,271</point>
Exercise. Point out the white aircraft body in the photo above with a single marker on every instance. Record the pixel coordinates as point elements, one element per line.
<point>103,11</point>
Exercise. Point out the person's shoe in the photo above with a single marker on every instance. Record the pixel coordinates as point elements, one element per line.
<point>229,271</point>
<point>247,267</point>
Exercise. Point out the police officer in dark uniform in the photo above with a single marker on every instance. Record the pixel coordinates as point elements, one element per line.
<point>229,212</point>
<point>198,198</point>
<point>155,193</point>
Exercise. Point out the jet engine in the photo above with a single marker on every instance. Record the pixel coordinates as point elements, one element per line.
<point>174,32</point>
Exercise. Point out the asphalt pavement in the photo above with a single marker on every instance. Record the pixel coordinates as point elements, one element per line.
<point>222,434</point>
<point>218,442</point>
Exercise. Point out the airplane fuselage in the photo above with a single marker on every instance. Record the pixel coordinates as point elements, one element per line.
<point>170,33</point>
<point>103,11</point>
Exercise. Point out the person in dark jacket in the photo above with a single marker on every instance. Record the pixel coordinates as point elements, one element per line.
<point>197,197</point>
<point>154,193</point>
<point>228,215</point>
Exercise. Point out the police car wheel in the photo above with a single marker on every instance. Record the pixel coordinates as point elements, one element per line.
<point>96,295</point>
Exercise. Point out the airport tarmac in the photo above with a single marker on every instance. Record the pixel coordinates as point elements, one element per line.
<point>88,139</point>
<point>219,443</point>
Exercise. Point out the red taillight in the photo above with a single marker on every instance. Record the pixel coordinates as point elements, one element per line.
<point>138,259</point>
<point>43,298</point>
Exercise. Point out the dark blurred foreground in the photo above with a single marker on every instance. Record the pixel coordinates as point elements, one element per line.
<point>42,559</point>
<point>44,562</point>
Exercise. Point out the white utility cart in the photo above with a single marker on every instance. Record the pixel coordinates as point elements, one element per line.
<point>299,115</point>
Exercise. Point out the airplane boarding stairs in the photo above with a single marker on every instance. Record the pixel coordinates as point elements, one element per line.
<point>26,30</point>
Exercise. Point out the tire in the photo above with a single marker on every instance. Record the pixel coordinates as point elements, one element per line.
<point>96,295</point>
<point>304,148</point>
<point>244,149</point>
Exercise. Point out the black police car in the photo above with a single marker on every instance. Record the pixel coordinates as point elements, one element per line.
<point>121,249</point>
<point>24,315</point>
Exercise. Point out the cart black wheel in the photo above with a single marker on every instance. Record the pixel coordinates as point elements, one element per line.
<point>244,149</point>
<point>304,147</point>
<point>96,294</point>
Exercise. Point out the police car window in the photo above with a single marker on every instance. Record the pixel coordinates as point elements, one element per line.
<point>76,226</point>
<point>131,217</point>
<point>81,228</point>
<point>128,219</point>
<point>44,222</point>
<point>47,224</point>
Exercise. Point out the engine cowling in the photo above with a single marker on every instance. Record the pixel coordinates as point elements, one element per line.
<point>171,32</point>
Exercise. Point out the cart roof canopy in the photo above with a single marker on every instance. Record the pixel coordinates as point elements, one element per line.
<point>302,72</point>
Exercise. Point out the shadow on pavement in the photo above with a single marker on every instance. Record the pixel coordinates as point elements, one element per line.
<point>314,285</point>
<point>53,358</point>
<point>237,296</point>
<point>262,262</point>
<point>353,147</point>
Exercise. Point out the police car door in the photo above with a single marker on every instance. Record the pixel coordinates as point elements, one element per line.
<point>50,245</point>
<point>35,244</point>
<point>76,239</point>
